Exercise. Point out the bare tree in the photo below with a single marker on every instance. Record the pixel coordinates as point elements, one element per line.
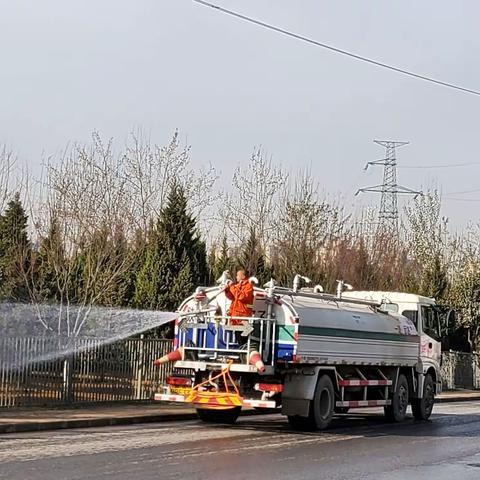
<point>94,205</point>
<point>308,227</point>
<point>426,229</point>
<point>7,181</point>
<point>255,202</point>
<point>85,214</point>
<point>464,293</point>
<point>150,171</point>
<point>427,241</point>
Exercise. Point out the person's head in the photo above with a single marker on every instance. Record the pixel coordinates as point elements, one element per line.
<point>241,274</point>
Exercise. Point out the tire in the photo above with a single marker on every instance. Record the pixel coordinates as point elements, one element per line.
<point>341,410</point>
<point>228,416</point>
<point>422,407</point>
<point>397,411</point>
<point>323,402</point>
<point>321,408</point>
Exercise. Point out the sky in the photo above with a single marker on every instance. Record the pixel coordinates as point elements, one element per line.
<point>68,68</point>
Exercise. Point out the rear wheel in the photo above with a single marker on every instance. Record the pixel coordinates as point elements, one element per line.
<point>422,407</point>
<point>397,411</point>
<point>323,403</point>
<point>228,416</point>
<point>321,408</point>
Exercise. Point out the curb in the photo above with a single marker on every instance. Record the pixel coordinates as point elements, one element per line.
<point>451,399</point>
<point>93,422</point>
<point>104,422</point>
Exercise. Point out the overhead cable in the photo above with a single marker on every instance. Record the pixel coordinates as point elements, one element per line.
<point>335,49</point>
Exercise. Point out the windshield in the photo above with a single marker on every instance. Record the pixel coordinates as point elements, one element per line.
<point>411,315</point>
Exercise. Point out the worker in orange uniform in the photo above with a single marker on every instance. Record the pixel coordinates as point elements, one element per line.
<point>241,295</point>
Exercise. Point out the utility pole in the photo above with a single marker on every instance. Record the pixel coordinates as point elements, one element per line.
<point>388,214</point>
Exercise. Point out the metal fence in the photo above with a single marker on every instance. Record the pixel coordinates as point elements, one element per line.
<point>92,373</point>
<point>460,370</point>
<point>124,370</point>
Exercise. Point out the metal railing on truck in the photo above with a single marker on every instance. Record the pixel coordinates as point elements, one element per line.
<point>207,337</point>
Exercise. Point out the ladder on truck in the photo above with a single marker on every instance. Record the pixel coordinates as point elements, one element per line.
<point>345,385</point>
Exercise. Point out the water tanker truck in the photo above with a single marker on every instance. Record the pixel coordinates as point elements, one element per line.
<point>308,353</point>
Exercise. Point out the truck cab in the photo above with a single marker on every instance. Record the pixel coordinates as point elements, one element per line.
<point>428,319</point>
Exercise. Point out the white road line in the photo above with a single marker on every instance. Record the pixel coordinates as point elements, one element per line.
<point>60,446</point>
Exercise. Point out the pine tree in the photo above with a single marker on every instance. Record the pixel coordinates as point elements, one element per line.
<point>223,262</point>
<point>178,227</point>
<point>148,279</point>
<point>112,283</point>
<point>50,255</point>
<point>182,285</point>
<point>253,259</point>
<point>138,250</point>
<point>175,260</point>
<point>15,251</point>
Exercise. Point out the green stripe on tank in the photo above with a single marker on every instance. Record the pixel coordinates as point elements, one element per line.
<point>341,332</point>
<point>285,332</point>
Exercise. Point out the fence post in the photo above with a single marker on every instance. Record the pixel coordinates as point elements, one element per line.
<point>140,369</point>
<point>453,362</point>
<point>474,370</point>
<point>68,379</point>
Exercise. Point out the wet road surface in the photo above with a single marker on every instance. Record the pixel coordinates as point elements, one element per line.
<point>357,446</point>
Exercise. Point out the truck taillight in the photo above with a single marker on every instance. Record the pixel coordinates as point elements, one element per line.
<point>269,387</point>
<point>179,381</point>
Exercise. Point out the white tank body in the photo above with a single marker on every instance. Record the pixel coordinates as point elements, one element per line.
<point>316,331</point>
<point>341,333</point>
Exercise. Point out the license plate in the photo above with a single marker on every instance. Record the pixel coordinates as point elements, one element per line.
<point>180,390</point>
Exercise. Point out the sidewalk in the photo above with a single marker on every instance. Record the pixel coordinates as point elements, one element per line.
<point>36,419</point>
<point>458,396</point>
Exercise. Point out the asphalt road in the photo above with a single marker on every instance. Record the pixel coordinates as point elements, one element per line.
<point>357,446</point>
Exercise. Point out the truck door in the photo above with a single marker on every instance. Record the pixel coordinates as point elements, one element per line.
<point>430,331</point>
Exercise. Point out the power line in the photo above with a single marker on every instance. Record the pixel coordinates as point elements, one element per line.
<point>462,199</point>
<point>451,165</point>
<point>464,192</point>
<point>334,49</point>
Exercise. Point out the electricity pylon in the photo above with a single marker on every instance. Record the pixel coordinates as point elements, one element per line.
<point>388,214</point>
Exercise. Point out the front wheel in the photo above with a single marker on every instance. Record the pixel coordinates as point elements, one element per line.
<point>228,416</point>
<point>397,411</point>
<point>422,407</point>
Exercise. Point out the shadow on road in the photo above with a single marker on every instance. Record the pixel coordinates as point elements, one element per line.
<point>372,425</point>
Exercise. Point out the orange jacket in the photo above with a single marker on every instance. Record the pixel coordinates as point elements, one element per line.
<point>241,295</point>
